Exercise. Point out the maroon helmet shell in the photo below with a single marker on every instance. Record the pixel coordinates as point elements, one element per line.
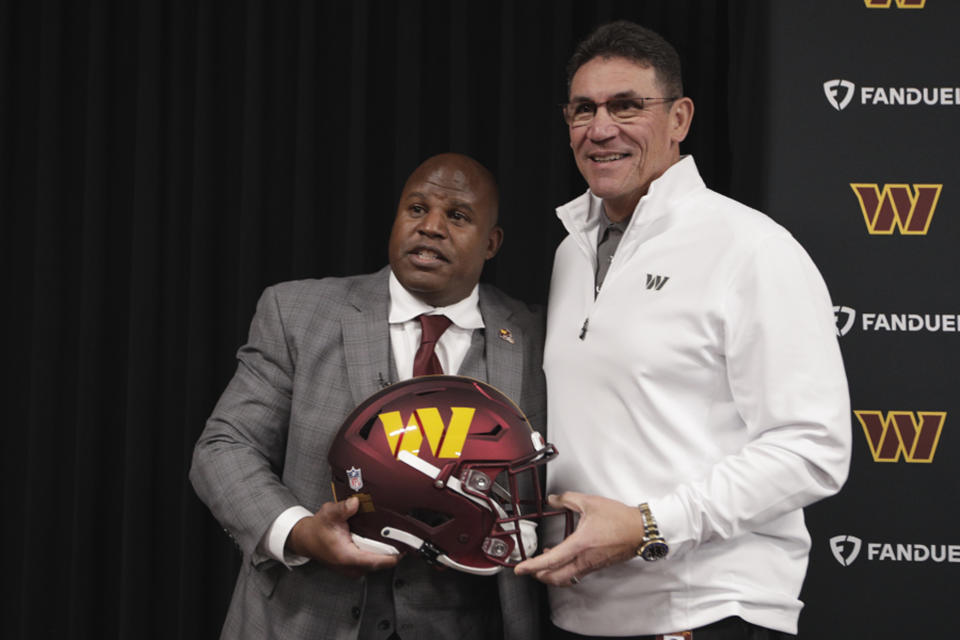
<point>446,465</point>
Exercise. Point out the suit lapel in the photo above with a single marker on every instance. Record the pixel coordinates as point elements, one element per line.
<point>366,340</point>
<point>366,336</point>
<point>504,348</point>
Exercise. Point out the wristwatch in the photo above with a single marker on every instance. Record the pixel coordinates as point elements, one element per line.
<point>653,547</point>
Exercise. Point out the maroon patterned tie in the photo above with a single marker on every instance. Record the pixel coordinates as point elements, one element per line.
<point>426,362</point>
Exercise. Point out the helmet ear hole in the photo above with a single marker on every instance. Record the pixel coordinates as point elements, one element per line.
<point>497,428</point>
<point>364,431</point>
<point>429,517</point>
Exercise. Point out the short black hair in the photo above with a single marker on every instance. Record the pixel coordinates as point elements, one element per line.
<point>624,39</point>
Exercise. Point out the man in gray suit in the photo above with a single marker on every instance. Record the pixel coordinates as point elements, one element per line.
<point>316,349</point>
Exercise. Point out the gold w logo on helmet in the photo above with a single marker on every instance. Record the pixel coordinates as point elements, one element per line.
<point>444,440</point>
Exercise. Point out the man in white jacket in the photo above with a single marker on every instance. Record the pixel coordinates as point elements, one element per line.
<point>695,386</point>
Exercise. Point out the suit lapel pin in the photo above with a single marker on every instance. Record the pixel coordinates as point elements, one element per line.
<point>506,335</point>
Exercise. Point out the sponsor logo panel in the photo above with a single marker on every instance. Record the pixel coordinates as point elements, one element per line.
<point>848,319</point>
<point>848,549</point>
<point>840,94</point>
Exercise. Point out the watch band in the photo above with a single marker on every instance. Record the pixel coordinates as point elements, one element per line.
<point>653,547</point>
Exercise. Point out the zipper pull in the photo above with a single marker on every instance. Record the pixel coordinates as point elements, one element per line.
<point>583,329</point>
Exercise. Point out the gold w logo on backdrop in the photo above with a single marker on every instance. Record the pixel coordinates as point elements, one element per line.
<point>897,206</point>
<point>902,432</point>
<point>901,4</point>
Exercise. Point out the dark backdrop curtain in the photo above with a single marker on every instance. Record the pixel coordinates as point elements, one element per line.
<point>160,163</point>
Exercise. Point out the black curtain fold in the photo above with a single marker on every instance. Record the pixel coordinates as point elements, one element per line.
<point>162,162</point>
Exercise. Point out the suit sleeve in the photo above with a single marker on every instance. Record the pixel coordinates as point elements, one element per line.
<point>238,459</point>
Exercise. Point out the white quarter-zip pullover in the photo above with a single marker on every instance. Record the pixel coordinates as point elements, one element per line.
<point>705,378</point>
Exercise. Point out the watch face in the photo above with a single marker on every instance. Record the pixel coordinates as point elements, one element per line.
<point>654,550</point>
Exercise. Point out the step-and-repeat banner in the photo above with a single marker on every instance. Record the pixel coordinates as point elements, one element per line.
<point>864,129</point>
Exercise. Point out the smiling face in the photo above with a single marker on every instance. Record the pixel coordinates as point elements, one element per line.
<point>619,160</point>
<point>445,229</point>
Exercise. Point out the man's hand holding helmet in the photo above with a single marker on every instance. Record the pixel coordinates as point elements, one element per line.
<point>325,537</point>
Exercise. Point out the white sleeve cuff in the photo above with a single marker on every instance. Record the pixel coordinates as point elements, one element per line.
<point>672,520</point>
<point>275,539</point>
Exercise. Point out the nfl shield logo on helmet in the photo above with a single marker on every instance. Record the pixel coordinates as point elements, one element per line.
<point>355,478</point>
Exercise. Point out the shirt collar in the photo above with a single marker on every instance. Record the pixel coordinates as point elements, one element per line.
<point>606,222</point>
<point>405,306</point>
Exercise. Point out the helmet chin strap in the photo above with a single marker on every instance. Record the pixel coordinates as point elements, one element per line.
<point>418,544</point>
<point>528,528</point>
<point>374,546</point>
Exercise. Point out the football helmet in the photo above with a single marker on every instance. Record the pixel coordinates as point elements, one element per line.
<point>447,466</point>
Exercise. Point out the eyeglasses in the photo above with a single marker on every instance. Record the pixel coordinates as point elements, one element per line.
<point>581,113</point>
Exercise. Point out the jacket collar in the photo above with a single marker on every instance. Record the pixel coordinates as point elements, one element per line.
<point>582,216</point>
<point>503,344</point>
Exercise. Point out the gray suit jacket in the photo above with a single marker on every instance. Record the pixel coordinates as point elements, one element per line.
<point>316,349</point>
